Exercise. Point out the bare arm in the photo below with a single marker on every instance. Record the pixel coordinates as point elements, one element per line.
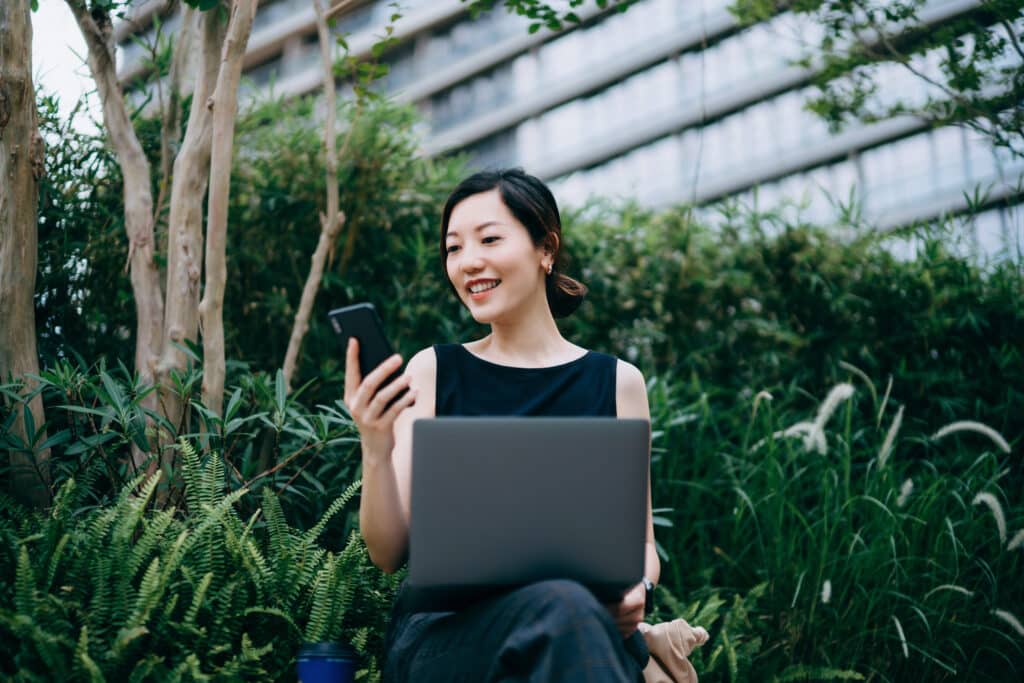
<point>631,402</point>
<point>386,437</point>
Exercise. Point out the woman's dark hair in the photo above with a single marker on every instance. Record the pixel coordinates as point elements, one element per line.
<point>533,205</point>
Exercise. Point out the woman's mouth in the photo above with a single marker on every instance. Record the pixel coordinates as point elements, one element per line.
<point>481,289</point>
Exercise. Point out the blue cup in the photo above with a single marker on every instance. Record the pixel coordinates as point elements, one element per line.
<point>326,663</point>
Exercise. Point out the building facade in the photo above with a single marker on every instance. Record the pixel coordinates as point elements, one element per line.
<point>672,101</point>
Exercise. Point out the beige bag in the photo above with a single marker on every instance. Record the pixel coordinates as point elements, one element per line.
<point>670,643</point>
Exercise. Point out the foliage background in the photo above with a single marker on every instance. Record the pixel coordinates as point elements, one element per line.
<point>715,310</point>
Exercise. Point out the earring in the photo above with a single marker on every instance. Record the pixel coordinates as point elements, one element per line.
<point>550,268</point>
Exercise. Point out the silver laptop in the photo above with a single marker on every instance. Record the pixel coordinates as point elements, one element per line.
<point>503,502</point>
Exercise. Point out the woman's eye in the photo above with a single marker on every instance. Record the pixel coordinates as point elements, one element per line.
<point>490,239</point>
<point>452,248</point>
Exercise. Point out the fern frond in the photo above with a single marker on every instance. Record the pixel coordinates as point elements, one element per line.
<point>55,557</point>
<point>152,537</point>
<point>98,616</point>
<point>25,585</point>
<point>191,473</point>
<point>228,600</point>
<point>334,508</point>
<point>83,661</point>
<point>190,666</point>
<point>144,669</point>
<point>345,578</point>
<point>359,639</point>
<point>321,607</point>
<point>63,502</point>
<point>126,637</point>
<point>132,508</point>
<point>150,590</point>
<point>197,599</point>
<point>801,672</point>
<point>277,527</point>
<point>188,539</point>
<point>275,612</point>
<point>253,560</point>
<point>54,649</point>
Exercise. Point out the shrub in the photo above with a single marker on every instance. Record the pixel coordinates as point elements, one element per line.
<point>124,592</point>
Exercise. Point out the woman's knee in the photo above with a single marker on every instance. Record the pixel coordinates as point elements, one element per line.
<point>562,597</point>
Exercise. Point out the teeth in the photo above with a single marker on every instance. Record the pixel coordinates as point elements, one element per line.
<point>484,286</point>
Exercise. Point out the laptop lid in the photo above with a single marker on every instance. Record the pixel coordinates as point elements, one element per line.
<point>502,502</point>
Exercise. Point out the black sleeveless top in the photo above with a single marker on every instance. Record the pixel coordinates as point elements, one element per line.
<point>471,386</point>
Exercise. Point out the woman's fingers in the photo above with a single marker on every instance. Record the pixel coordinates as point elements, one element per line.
<point>364,393</point>
<point>378,405</point>
<point>371,384</point>
<point>353,376</point>
<point>401,404</point>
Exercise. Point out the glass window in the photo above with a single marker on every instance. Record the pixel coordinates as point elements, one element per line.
<point>472,98</point>
<point>496,151</point>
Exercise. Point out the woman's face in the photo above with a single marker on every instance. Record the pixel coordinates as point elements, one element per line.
<point>491,261</point>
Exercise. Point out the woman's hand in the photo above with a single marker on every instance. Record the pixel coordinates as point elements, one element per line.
<point>368,406</point>
<point>629,612</point>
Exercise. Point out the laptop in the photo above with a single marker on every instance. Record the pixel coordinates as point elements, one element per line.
<point>503,502</point>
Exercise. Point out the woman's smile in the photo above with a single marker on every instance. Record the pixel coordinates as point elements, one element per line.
<point>479,289</point>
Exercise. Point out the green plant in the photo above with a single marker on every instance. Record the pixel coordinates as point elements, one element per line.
<point>863,541</point>
<point>124,592</point>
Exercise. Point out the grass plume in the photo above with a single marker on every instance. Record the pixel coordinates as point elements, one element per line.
<point>890,437</point>
<point>997,511</point>
<point>972,426</point>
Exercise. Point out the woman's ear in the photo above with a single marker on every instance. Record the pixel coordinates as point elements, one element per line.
<point>550,245</point>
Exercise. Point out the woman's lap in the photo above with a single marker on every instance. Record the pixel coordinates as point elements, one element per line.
<point>551,630</point>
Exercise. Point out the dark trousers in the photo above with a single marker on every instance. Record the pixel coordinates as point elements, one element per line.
<point>548,631</point>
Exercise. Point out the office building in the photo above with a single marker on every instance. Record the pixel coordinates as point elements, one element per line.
<point>672,101</point>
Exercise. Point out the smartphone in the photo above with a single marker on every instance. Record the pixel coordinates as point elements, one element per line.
<point>362,322</point>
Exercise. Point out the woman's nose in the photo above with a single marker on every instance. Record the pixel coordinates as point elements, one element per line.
<point>471,261</point>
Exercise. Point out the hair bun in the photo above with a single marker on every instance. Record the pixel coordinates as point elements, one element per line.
<point>565,294</point>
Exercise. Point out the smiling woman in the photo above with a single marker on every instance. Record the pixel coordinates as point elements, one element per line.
<point>500,245</point>
<point>493,209</point>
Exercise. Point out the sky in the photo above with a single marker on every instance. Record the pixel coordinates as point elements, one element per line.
<point>58,52</point>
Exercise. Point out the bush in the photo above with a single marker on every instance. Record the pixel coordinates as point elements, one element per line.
<point>124,592</point>
<point>867,545</point>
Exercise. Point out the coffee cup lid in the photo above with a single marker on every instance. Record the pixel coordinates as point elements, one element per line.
<point>339,650</point>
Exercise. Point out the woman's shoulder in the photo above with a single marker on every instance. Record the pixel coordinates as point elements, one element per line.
<point>630,390</point>
<point>423,364</point>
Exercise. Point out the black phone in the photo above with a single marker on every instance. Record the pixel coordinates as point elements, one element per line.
<point>362,322</point>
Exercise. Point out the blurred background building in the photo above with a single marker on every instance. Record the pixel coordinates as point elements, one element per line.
<point>672,101</point>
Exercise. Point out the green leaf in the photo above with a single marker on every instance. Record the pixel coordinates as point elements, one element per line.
<point>61,437</point>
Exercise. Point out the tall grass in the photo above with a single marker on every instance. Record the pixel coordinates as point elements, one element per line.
<point>882,550</point>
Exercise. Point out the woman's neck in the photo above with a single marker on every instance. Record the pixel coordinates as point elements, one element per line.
<point>532,340</point>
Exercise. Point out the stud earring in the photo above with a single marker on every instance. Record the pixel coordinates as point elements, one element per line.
<point>550,268</point>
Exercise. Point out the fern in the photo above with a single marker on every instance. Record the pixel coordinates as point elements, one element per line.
<point>25,585</point>
<point>154,534</point>
<point>274,612</point>
<point>55,557</point>
<point>84,662</point>
<point>339,503</point>
<point>277,528</point>
<point>800,672</point>
<point>320,612</point>
<point>150,590</point>
<point>191,472</point>
<point>197,599</point>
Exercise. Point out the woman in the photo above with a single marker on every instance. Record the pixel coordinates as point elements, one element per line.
<point>501,249</point>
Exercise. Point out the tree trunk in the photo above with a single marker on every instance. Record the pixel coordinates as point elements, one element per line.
<point>171,111</point>
<point>185,227</point>
<point>330,224</point>
<point>97,30</point>
<point>224,104</point>
<point>21,166</point>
